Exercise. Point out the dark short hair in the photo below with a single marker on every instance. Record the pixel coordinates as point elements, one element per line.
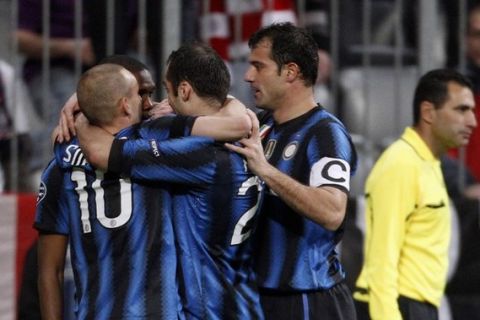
<point>290,44</point>
<point>202,67</point>
<point>131,64</point>
<point>433,87</point>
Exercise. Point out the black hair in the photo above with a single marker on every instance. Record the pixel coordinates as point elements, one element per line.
<point>433,87</point>
<point>202,67</point>
<point>131,64</point>
<point>290,44</point>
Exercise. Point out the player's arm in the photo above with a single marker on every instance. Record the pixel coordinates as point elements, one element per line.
<point>188,160</point>
<point>51,219</point>
<point>390,201</point>
<point>66,124</point>
<point>231,123</point>
<point>324,205</point>
<point>65,129</point>
<point>94,141</point>
<point>52,249</point>
<point>171,158</point>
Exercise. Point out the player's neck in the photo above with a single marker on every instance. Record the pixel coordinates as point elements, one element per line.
<point>294,105</point>
<point>117,125</point>
<point>205,107</point>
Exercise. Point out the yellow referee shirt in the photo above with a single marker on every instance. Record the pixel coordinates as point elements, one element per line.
<point>407,229</point>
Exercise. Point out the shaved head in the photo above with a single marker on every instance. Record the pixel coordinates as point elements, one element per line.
<point>100,90</point>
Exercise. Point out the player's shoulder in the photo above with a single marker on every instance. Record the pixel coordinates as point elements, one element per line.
<point>159,123</point>
<point>320,118</point>
<point>69,155</point>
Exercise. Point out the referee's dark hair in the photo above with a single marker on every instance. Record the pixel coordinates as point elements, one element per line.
<point>433,87</point>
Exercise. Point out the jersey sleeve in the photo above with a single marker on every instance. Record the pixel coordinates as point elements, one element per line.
<point>389,201</point>
<point>168,127</point>
<point>51,215</point>
<point>184,160</point>
<point>332,156</point>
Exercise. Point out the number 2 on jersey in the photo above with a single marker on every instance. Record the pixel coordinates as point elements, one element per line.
<point>243,229</point>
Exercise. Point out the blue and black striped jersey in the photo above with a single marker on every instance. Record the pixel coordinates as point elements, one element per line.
<point>215,207</point>
<point>294,253</point>
<point>120,236</point>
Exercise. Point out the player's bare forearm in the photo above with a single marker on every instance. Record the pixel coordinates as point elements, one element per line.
<point>229,124</point>
<point>323,205</point>
<point>221,128</point>
<point>95,143</point>
<point>51,263</point>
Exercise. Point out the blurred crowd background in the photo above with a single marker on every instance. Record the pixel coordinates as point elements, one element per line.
<point>371,54</point>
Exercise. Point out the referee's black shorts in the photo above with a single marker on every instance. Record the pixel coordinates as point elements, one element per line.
<point>335,303</point>
<point>409,308</point>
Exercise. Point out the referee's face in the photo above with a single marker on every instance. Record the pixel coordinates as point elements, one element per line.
<point>454,121</point>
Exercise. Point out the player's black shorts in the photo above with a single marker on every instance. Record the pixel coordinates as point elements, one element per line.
<point>409,308</point>
<point>334,303</point>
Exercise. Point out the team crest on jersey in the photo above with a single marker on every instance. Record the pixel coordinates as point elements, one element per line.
<point>290,150</point>
<point>269,147</point>
<point>42,192</point>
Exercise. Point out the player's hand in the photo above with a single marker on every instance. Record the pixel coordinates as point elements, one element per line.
<point>252,148</point>
<point>160,109</point>
<point>66,123</point>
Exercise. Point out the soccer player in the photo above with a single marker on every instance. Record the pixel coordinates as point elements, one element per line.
<point>215,196</point>
<point>407,205</point>
<point>306,162</point>
<point>108,196</point>
<point>122,267</point>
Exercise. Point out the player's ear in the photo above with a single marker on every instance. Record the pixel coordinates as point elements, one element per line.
<point>124,106</point>
<point>291,70</point>
<point>427,112</point>
<point>184,90</point>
